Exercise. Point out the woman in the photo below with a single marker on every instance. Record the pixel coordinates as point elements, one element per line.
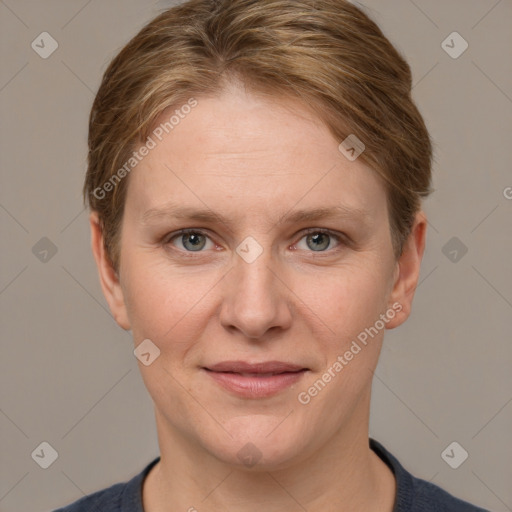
<point>255,178</point>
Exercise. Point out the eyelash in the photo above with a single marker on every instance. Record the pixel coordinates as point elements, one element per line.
<point>341,239</point>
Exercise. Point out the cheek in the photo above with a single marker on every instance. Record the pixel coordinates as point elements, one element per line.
<point>349,308</point>
<point>347,330</point>
<point>164,303</point>
<point>346,300</point>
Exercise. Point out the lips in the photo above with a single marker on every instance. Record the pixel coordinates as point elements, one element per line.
<point>255,380</point>
<point>269,367</point>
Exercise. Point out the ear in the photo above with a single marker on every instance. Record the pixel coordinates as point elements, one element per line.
<point>407,272</point>
<point>108,277</point>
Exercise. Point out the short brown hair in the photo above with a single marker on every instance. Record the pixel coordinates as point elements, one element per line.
<point>327,53</point>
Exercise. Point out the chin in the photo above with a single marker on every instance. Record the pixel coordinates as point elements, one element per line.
<point>260,442</point>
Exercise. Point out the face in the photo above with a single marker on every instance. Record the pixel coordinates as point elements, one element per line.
<point>286,263</point>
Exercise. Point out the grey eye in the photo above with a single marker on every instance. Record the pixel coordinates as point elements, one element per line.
<point>318,241</point>
<point>193,241</point>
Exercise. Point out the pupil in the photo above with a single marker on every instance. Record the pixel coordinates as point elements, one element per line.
<point>193,241</point>
<point>318,238</point>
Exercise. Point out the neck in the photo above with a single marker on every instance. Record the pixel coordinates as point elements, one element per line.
<point>345,475</point>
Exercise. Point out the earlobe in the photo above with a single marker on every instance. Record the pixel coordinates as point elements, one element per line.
<point>109,279</point>
<point>407,271</point>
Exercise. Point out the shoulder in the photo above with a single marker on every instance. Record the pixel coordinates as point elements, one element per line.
<point>106,500</point>
<point>121,497</point>
<point>430,497</point>
<point>417,495</point>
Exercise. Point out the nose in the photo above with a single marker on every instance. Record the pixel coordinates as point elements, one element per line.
<point>256,298</point>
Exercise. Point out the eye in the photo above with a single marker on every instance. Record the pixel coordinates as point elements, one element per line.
<point>191,240</point>
<point>195,240</point>
<point>319,240</point>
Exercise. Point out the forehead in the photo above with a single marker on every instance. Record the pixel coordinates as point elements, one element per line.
<point>245,153</point>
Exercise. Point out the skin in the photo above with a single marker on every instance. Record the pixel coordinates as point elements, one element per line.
<point>254,159</point>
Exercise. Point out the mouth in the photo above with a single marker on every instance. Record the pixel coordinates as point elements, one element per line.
<point>255,380</point>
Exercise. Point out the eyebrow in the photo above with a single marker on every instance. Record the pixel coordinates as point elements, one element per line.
<point>172,210</point>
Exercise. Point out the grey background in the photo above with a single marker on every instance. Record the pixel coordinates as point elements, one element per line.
<point>68,374</point>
